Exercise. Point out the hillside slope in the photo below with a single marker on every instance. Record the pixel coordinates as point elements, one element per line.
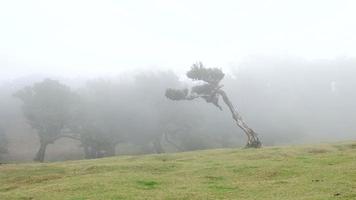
<point>299,172</point>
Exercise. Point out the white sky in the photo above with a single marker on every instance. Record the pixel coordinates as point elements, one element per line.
<point>99,37</point>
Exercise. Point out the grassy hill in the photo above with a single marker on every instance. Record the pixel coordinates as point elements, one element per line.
<point>315,172</point>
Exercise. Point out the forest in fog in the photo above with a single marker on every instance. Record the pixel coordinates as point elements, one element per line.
<point>286,102</point>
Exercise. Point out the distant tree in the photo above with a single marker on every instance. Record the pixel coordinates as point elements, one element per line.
<point>167,124</point>
<point>3,142</point>
<point>97,137</point>
<point>99,119</point>
<point>47,106</point>
<point>211,91</point>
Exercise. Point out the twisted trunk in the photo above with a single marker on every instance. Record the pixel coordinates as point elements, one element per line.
<point>252,138</point>
<point>41,152</point>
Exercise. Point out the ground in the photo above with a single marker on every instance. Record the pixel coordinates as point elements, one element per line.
<point>315,172</point>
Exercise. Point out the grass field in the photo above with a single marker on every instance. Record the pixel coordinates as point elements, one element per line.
<point>315,172</point>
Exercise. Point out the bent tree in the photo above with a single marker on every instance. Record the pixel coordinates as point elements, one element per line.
<point>211,91</point>
<point>47,107</point>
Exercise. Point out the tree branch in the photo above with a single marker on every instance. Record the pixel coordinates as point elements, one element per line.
<point>66,136</point>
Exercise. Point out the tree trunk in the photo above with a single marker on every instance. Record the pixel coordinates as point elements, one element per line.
<point>158,146</point>
<point>252,138</point>
<point>90,152</point>
<point>41,152</point>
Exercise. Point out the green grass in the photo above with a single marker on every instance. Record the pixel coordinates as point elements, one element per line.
<point>318,172</point>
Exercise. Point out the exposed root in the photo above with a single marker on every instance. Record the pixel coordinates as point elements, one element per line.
<point>254,144</point>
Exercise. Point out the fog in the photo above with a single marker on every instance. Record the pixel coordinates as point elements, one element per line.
<point>289,71</point>
<point>98,38</point>
<point>310,102</point>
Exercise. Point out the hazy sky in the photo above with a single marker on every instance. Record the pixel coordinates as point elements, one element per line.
<point>98,37</point>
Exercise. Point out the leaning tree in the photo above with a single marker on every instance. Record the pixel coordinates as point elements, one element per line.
<point>211,91</point>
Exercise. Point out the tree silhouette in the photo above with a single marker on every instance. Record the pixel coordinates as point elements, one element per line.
<point>211,91</point>
<point>47,107</point>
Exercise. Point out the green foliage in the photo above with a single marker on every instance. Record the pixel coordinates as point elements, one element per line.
<point>271,173</point>
<point>205,89</point>
<point>176,95</point>
<point>209,75</point>
<point>48,107</point>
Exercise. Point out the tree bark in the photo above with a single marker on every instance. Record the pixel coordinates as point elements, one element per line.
<point>252,138</point>
<point>40,156</point>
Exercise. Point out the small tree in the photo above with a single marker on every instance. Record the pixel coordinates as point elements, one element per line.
<point>47,107</point>
<point>211,91</point>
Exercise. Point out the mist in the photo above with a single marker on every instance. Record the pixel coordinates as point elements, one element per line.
<point>305,102</point>
<point>289,71</point>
